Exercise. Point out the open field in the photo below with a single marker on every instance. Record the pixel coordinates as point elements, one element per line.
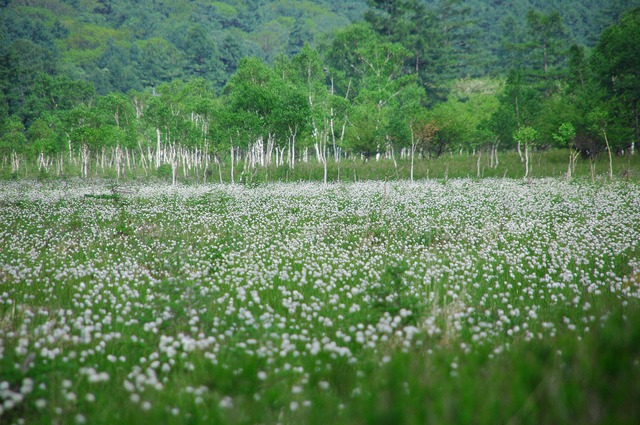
<point>458,301</point>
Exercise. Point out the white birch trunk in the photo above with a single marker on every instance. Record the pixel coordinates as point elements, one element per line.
<point>606,140</point>
<point>526,160</point>
<point>159,142</point>
<point>232,166</point>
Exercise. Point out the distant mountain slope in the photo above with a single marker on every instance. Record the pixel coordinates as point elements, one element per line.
<point>119,45</point>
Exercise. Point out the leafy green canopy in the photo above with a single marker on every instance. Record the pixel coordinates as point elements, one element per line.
<point>213,74</point>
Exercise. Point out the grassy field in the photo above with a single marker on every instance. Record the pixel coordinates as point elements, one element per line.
<point>550,163</point>
<point>456,301</point>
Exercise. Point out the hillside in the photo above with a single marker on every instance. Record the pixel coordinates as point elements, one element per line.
<point>119,45</point>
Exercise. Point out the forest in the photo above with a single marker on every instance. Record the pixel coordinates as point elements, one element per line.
<point>197,85</point>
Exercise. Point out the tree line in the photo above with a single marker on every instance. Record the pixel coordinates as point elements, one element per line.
<point>385,87</point>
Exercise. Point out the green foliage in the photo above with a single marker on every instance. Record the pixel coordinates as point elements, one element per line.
<point>546,32</point>
<point>164,172</point>
<point>526,135</point>
<point>565,135</point>
<point>45,135</point>
<point>161,61</point>
<point>555,111</point>
<point>461,122</point>
<point>616,60</point>
<point>519,105</point>
<point>12,137</point>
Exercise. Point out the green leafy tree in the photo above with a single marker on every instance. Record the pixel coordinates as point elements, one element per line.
<point>578,72</point>
<point>553,111</point>
<point>13,141</point>
<point>201,56</point>
<point>438,38</point>
<point>305,71</point>
<point>565,137</point>
<point>343,57</point>
<point>459,37</point>
<point>232,50</point>
<point>117,123</point>
<point>160,60</point>
<point>526,136</point>
<point>565,134</point>
<point>391,18</point>
<point>252,92</point>
<point>120,73</point>
<point>537,48</point>
<point>407,120</point>
<point>378,75</point>
<point>546,35</point>
<point>46,136</point>
<point>599,120</point>
<point>21,64</point>
<point>518,107</point>
<point>84,133</point>
<point>51,93</point>
<point>512,51</point>
<point>616,60</point>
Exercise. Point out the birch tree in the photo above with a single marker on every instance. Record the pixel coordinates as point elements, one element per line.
<point>565,136</point>
<point>526,136</point>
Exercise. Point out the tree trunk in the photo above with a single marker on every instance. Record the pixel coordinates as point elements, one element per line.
<point>520,152</point>
<point>15,162</point>
<point>324,152</point>
<point>158,137</point>
<point>318,152</point>
<point>117,161</point>
<point>526,160</point>
<point>355,177</point>
<point>293,152</point>
<point>269,153</point>
<point>233,181</point>
<point>606,140</point>
<point>413,151</point>
<point>637,126</point>
<point>494,156</point>
<point>84,159</point>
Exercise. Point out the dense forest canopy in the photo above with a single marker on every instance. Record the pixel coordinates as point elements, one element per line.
<point>365,77</point>
<point>119,45</point>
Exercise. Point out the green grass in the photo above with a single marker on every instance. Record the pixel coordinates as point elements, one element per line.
<point>549,163</point>
<point>453,302</point>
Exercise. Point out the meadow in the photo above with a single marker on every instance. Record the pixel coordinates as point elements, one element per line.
<point>456,301</point>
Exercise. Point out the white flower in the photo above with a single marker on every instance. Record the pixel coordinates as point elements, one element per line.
<point>226,402</point>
